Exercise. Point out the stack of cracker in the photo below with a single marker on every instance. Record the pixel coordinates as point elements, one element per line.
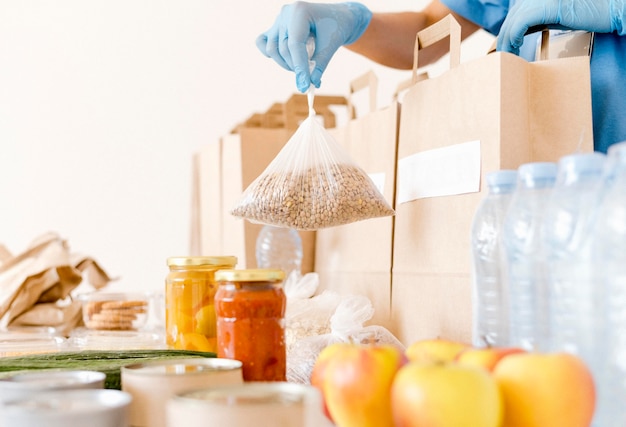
<point>114,315</point>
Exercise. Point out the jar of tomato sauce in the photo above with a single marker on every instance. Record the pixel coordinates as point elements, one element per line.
<point>190,287</point>
<point>250,307</point>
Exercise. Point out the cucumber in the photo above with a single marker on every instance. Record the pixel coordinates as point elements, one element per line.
<point>108,362</point>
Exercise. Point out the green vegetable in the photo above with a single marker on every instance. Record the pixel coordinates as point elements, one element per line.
<point>108,362</point>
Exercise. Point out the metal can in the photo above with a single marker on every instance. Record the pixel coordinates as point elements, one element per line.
<point>152,384</point>
<point>250,307</point>
<point>25,384</point>
<point>249,404</point>
<point>68,408</point>
<point>190,322</point>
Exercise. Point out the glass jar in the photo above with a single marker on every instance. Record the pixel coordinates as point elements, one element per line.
<point>190,322</point>
<point>250,307</point>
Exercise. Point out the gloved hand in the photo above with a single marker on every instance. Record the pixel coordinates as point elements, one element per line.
<point>330,25</point>
<point>601,16</point>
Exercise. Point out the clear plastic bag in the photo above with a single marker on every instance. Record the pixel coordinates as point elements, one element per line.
<point>308,315</point>
<point>312,183</point>
<point>346,325</point>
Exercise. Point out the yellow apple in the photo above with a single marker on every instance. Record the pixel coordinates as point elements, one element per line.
<point>445,395</point>
<point>545,389</point>
<point>434,350</point>
<point>487,357</point>
<point>355,381</point>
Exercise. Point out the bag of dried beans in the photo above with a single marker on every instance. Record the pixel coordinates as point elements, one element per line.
<point>312,183</point>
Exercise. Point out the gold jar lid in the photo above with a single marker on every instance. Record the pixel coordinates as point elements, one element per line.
<point>250,275</point>
<point>185,261</point>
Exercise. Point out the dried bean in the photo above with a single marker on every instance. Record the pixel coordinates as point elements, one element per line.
<point>313,199</point>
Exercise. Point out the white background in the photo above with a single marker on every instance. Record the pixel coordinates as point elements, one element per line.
<point>103,102</point>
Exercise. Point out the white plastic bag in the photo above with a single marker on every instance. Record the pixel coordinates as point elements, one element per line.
<point>346,325</point>
<point>308,315</point>
<point>312,183</point>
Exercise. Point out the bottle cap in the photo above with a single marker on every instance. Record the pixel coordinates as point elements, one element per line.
<point>250,275</point>
<point>537,174</point>
<point>182,261</point>
<point>618,150</point>
<point>581,164</point>
<point>505,177</point>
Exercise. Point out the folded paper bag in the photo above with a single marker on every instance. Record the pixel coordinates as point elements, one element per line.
<point>46,272</point>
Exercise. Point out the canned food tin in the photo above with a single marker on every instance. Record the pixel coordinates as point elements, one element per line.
<point>68,408</point>
<point>189,301</point>
<point>25,384</point>
<point>250,307</point>
<point>151,384</point>
<point>249,404</point>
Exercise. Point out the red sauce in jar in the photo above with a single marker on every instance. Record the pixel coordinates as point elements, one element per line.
<point>250,307</point>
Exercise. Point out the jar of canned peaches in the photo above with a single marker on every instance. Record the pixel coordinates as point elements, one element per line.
<point>250,306</point>
<point>190,287</point>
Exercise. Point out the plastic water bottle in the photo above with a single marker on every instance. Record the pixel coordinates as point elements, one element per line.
<point>566,233</point>
<point>528,293</point>
<point>609,247</point>
<point>279,247</point>
<point>490,326</point>
<point>576,311</point>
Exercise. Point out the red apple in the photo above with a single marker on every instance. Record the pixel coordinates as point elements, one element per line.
<point>445,395</point>
<point>545,390</point>
<point>355,380</point>
<point>487,357</point>
<point>319,371</point>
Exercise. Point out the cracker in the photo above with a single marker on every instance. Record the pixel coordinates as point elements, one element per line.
<point>123,304</point>
<point>109,325</point>
<point>114,316</point>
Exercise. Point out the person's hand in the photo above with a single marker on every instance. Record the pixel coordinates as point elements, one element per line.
<point>330,25</point>
<point>601,16</point>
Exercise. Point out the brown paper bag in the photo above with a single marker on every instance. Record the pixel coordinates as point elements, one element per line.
<point>494,112</point>
<point>356,258</point>
<point>45,273</point>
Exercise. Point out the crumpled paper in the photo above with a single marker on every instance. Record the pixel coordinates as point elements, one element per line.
<point>36,285</point>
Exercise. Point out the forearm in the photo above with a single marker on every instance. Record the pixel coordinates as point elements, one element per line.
<point>390,37</point>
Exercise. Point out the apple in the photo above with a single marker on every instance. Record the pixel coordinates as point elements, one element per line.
<point>545,389</point>
<point>487,357</point>
<point>433,350</point>
<point>319,371</point>
<point>445,395</point>
<point>355,382</point>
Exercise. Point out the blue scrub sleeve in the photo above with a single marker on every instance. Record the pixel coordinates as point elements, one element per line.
<point>488,14</point>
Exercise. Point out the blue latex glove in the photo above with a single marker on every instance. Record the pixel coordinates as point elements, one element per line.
<point>330,25</point>
<point>601,16</point>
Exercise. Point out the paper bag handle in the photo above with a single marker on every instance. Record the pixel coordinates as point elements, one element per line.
<point>367,80</point>
<point>544,47</point>
<point>446,27</point>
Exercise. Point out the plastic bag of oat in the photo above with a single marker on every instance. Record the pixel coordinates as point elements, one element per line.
<point>347,324</point>
<point>312,183</point>
<point>308,314</point>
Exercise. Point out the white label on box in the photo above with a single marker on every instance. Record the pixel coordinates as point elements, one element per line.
<point>440,172</point>
<point>379,181</point>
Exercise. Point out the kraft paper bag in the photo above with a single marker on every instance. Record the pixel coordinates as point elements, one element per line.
<point>345,259</point>
<point>495,112</point>
<point>44,275</point>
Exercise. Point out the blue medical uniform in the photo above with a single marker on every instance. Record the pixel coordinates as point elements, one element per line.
<point>608,68</point>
